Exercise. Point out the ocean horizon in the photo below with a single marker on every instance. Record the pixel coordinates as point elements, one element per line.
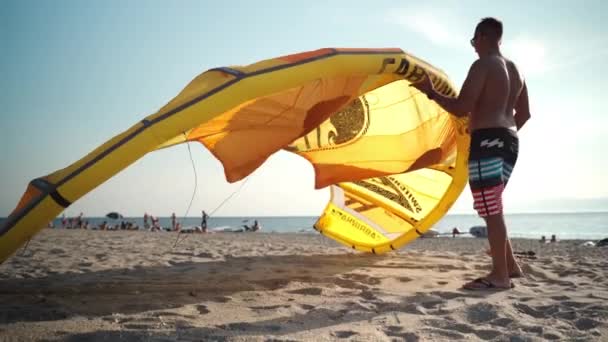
<point>565,225</point>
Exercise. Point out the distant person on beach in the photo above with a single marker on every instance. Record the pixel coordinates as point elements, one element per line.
<point>553,238</point>
<point>204,221</point>
<point>455,232</point>
<point>173,227</point>
<point>494,97</point>
<point>155,224</point>
<point>254,228</point>
<point>146,225</point>
<point>543,239</point>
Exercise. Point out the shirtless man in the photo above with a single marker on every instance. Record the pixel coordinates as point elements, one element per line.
<point>495,98</point>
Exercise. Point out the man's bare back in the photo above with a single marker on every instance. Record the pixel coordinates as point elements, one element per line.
<point>501,89</point>
<point>494,95</point>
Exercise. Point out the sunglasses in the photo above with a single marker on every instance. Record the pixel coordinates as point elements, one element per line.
<point>474,39</point>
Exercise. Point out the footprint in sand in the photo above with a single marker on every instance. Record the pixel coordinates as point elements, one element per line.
<point>528,310</point>
<point>241,326</point>
<point>206,255</point>
<point>450,325</point>
<point>268,307</point>
<point>487,334</point>
<point>307,307</point>
<point>597,311</point>
<point>574,304</point>
<point>394,328</point>
<point>586,324</point>
<point>311,291</point>
<point>181,254</point>
<point>139,326</point>
<point>447,295</point>
<point>57,251</point>
<point>535,329</point>
<point>349,284</point>
<point>481,313</point>
<point>344,334</point>
<point>363,279</point>
<point>442,283</point>
<point>272,328</point>
<point>404,279</point>
<point>402,336</point>
<point>168,313</point>
<point>451,335</point>
<point>222,299</point>
<point>202,309</point>
<point>552,336</point>
<point>368,295</point>
<point>502,322</point>
<point>244,326</point>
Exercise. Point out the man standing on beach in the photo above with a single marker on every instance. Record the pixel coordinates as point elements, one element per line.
<point>495,98</point>
<point>204,221</point>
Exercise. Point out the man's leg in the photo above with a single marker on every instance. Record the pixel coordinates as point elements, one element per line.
<point>497,237</point>
<point>513,267</point>
<point>488,175</point>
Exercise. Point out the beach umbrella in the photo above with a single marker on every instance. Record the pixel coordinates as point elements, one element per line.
<point>114,215</point>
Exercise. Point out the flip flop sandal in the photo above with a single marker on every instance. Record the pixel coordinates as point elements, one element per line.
<point>486,285</point>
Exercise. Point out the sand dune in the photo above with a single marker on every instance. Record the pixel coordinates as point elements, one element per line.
<point>133,286</point>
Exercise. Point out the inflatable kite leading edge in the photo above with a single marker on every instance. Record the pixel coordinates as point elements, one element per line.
<point>395,161</point>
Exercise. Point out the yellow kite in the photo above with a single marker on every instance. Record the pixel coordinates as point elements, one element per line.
<point>395,161</point>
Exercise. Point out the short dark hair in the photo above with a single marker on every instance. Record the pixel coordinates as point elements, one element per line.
<point>491,27</point>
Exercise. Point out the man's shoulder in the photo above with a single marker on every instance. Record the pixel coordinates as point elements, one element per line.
<point>492,60</point>
<point>483,63</point>
<point>495,63</point>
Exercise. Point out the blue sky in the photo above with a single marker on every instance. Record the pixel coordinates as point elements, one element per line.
<point>76,73</point>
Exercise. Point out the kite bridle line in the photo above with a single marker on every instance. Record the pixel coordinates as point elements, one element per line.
<point>177,240</point>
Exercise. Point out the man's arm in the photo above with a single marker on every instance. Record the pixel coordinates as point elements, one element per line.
<point>469,94</point>
<point>522,108</point>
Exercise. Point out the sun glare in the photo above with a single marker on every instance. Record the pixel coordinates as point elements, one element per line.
<point>529,55</point>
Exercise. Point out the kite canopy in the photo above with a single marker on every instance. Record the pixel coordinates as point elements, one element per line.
<point>395,161</point>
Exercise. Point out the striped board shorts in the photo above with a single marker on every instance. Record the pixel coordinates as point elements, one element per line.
<point>492,157</point>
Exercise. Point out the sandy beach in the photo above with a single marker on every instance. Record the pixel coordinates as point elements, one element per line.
<point>76,285</point>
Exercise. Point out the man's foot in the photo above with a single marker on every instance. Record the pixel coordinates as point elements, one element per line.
<point>486,284</point>
<point>516,272</point>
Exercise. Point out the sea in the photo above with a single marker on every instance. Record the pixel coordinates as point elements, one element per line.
<point>566,226</point>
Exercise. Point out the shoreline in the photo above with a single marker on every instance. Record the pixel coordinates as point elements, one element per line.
<point>442,234</point>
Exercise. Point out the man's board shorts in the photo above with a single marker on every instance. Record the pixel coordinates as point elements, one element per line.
<point>492,157</point>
